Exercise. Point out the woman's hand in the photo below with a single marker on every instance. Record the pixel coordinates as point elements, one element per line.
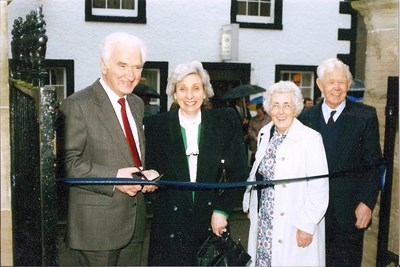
<point>218,223</point>
<point>303,239</point>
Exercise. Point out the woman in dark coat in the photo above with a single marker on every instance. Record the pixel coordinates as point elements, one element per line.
<point>191,144</point>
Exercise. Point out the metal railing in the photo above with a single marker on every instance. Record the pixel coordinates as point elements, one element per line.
<point>33,147</point>
<point>33,180</point>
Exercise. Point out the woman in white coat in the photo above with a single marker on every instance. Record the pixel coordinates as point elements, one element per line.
<point>287,225</point>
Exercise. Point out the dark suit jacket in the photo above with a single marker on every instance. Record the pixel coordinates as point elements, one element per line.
<point>357,148</point>
<point>179,224</point>
<point>248,116</point>
<point>99,218</point>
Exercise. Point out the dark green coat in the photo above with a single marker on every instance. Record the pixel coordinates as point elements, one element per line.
<point>180,225</point>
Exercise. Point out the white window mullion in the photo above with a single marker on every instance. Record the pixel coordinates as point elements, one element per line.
<point>257,19</point>
<point>113,12</point>
<point>305,83</point>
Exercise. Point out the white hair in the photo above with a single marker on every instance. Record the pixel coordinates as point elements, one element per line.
<point>120,37</point>
<point>183,70</point>
<point>330,64</point>
<point>284,87</point>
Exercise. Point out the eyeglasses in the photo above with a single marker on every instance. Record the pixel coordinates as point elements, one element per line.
<point>284,107</point>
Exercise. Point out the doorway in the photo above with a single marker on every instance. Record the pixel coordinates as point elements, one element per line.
<point>225,76</point>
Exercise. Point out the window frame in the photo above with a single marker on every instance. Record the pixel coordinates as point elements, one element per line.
<point>275,25</point>
<point>68,64</point>
<point>162,66</point>
<point>299,68</point>
<point>140,18</point>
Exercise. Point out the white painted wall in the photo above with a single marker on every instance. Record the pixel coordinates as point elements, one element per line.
<point>180,30</point>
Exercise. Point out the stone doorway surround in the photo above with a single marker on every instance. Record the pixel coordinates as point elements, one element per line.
<point>6,222</point>
<point>381,20</point>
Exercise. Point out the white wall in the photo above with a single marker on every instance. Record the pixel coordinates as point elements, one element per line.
<point>182,30</point>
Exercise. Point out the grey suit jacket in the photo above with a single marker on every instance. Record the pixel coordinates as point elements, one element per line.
<point>99,217</point>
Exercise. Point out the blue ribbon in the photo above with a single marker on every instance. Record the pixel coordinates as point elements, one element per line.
<point>187,185</point>
<point>215,185</point>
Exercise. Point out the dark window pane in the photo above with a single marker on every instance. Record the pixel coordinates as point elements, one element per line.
<point>128,4</point>
<point>59,76</point>
<point>241,8</point>
<point>306,79</point>
<point>253,9</point>
<point>113,4</point>
<point>265,9</point>
<point>285,76</point>
<point>53,77</point>
<point>99,3</point>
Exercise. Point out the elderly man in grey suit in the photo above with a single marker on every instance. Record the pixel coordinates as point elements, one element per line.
<point>103,137</point>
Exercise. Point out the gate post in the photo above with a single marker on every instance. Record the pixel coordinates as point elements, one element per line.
<point>47,118</point>
<point>384,256</point>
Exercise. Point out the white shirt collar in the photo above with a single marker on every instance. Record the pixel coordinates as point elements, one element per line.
<point>191,127</point>
<point>185,122</point>
<point>111,94</point>
<point>326,111</point>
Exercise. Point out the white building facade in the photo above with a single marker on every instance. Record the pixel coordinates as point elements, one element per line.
<point>239,41</point>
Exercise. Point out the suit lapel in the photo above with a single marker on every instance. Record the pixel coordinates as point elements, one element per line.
<point>348,125</point>
<point>110,121</point>
<point>315,115</point>
<point>176,150</point>
<point>209,145</point>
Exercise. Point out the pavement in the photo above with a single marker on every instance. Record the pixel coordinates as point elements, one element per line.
<point>238,222</point>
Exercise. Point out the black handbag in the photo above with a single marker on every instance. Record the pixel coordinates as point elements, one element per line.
<point>222,251</point>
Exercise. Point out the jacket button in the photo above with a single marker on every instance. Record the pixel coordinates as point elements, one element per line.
<point>209,203</point>
<point>175,208</point>
<point>280,241</point>
<point>283,158</point>
<point>172,235</point>
<point>134,205</point>
<point>282,213</point>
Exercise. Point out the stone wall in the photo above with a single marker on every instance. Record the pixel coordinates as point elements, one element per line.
<point>6,229</point>
<point>381,60</point>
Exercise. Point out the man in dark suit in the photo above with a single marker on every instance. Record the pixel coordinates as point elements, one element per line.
<point>106,223</point>
<point>244,116</point>
<point>351,137</point>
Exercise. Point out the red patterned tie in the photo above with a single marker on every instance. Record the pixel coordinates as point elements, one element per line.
<point>129,135</point>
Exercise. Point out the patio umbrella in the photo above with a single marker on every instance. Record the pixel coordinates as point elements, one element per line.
<point>242,91</point>
<point>356,91</point>
<point>357,85</point>
<point>251,105</point>
<point>145,90</point>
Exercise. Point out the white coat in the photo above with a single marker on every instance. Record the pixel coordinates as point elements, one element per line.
<point>298,205</point>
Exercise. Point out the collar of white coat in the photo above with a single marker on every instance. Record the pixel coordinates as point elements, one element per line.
<point>291,134</point>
